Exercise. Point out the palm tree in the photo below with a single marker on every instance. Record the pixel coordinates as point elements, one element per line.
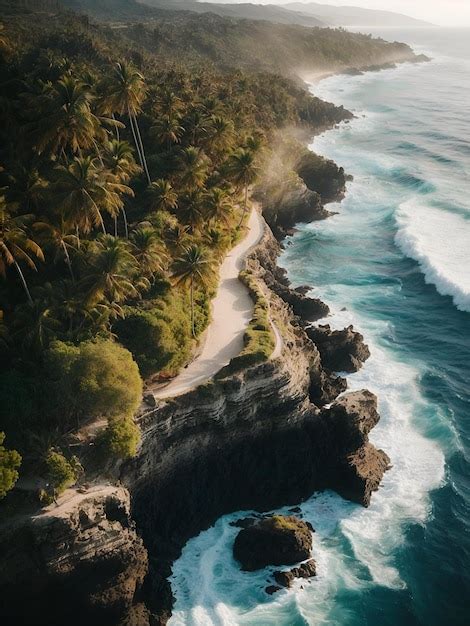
<point>168,130</point>
<point>125,93</point>
<point>66,118</point>
<point>120,163</point>
<point>111,271</point>
<point>218,206</point>
<point>83,191</point>
<point>198,126</point>
<point>161,196</point>
<point>168,103</point>
<point>57,235</point>
<point>243,170</point>
<point>119,160</point>
<point>191,208</point>
<point>176,237</point>
<point>221,134</point>
<point>193,168</point>
<point>148,251</point>
<point>16,246</point>
<point>35,325</point>
<point>193,268</point>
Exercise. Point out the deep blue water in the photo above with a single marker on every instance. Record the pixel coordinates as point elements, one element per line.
<point>395,261</point>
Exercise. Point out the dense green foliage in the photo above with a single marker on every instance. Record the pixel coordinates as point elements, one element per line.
<point>92,379</point>
<point>60,473</point>
<point>10,461</point>
<point>121,438</point>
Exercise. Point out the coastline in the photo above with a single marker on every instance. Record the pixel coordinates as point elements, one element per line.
<point>231,403</point>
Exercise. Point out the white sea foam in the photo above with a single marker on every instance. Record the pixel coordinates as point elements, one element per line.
<point>440,242</point>
<point>211,590</point>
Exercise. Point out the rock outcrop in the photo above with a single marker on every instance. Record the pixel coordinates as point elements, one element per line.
<point>340,350</point>
<point>305,570</point>
<point>276,540</point>
<point>76,563</point>
<point>361,466</point>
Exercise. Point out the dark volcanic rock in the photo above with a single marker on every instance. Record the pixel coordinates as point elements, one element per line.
<point>277,540</point>
<point>340,350</point>
<point>306,570</point>
<point>362,466</point>
<point>272,589</point>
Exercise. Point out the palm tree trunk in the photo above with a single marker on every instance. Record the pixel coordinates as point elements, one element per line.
<point>142,149</point>
<point>69,262</point>
<point>244,206</point>
<point>126,227</point>
<point>136,141</point>
<point>191,293</point>
<point>98,153</point>
<point>115,226</point>
<point>116,127</point>
<point>23,281</point>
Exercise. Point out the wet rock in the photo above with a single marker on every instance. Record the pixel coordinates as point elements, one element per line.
<point>272,589</point>
<point>305,570</point>
<point>276,540</point>
<point>340,350</point>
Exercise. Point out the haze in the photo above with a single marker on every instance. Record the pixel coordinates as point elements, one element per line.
<point>442,12</point>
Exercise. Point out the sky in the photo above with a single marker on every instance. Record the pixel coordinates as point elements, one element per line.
<point>442,12</point>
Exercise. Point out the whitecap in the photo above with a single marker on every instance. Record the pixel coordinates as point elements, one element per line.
<point>440,242</point>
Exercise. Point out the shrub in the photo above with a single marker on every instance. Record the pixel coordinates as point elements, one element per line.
<point>121,437</point>
<point>95,378</point>
<point>10,461</point>
<point>61,474</point>
<point>158,336</point>
<point>150,339</point>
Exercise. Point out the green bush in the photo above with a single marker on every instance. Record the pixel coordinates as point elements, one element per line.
<point>121,437</point>
<point>60,473</point>
<point>159,335</point>
<point>150,339</point>
<point>94,379</point>
<point>10,461</point>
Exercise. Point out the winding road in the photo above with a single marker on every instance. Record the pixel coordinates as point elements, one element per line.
<point>232,310</point>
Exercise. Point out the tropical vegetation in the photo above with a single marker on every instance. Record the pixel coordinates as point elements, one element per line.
<point>124,179</point>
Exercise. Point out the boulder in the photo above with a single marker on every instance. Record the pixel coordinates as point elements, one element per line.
<point>305,570</point>
<point>276,540</point>
<point>340,350</point>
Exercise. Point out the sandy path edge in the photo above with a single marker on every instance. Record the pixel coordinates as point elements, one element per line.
<point>232,310</point>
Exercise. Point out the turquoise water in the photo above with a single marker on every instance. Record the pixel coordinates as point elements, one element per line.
<point>395,262</point>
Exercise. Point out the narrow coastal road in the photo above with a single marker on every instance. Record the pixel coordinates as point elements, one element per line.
<point>232,310</point>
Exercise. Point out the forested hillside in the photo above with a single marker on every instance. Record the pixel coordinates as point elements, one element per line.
<point>123,184</point>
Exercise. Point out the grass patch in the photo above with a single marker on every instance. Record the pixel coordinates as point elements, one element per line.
<point>259,338</point>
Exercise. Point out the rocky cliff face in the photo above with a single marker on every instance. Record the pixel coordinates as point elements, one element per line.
<point>81,562</point>
<point>257,439</point>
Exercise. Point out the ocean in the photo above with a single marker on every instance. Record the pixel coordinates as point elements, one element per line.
<point>395,262</point>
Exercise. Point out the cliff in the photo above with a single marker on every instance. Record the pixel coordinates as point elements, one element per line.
<point>81,561</point>
<point>256,439</point>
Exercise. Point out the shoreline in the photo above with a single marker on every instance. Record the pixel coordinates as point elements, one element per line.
<point>277,419</point>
